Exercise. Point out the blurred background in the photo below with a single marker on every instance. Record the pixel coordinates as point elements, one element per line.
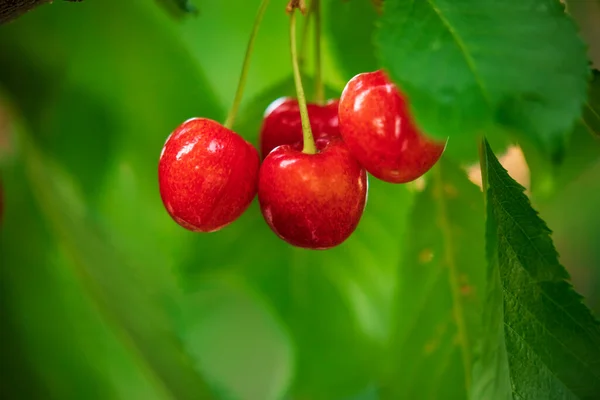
<point>103,296</point>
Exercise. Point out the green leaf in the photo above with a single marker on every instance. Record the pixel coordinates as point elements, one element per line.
<point>100,98</point>
<point>541,341</point>
<point>440,284</point>
<point>221,57</point>
<point>548,180</point>
<point>591,111</point>
<point>177,8</point>
<point>457,62</point>
<point>577,230</point>
<point>185,5</point>
<point>582,151</point>
<point>467,153</point>
<point>109,277</point>
<point>319,294</point>
<point>99,79</point>
<point>230,322</point>
<point>370,393</point>
<point>48,319</point>
<point>351,26</point>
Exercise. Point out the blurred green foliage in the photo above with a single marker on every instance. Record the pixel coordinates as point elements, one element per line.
<point>478,86</point>
<point>103,296</point>
<point>439,300</point>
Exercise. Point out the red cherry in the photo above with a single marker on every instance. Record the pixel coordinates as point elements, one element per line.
<point>312,200</point>
<point>207,175</point>
<point>376,125</point>
<point>282,124</point>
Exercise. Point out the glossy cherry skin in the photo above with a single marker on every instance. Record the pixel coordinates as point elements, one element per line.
<point>282,124</point>
<point>207,175</point>
<point>376,125</point>
<point>313,201</point>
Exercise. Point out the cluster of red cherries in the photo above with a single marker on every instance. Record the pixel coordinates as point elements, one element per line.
<point>208,174</point>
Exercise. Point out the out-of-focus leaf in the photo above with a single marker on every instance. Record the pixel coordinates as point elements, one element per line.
<point>541,341</point>
<point>582,151</point>
<point>55,343</point>
<point>228,25</point>
<point>179,8</point>
<point>110,277</point>
<point>334,303</point>
<point>370,393</point>
<point>229,322</point>
<point>101,90</point>
<point>350,26</point>
<point>441,280</point>
<point>465,152</point>
<point>573,215</point>
<point>547,179</point>
<point>468,65</point>
<point>78,93</point>
<point>591,111</point>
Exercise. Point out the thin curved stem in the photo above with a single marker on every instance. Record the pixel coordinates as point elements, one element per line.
<point>464,339</point>
<point>319,87</point>
<point>245,66</point>
<point>309,141</point>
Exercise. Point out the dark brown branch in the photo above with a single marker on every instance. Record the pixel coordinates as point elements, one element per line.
<point>11,9</point>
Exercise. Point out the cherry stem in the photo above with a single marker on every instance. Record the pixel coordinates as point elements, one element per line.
<point>245,66</point>
<point>319,88</point>
<point>309,141</point>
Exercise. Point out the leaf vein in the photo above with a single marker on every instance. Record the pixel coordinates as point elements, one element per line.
<point>550,334</point>
<point>531,348</point>
<point>542,255</point>
<point>463,48</point>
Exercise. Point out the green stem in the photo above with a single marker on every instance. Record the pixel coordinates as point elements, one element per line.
<point>309,141</point>
<point>319,88</point>
<point>245,66</point>
<point>462,333</point>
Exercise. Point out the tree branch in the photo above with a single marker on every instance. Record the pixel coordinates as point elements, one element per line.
<point>11,9</point>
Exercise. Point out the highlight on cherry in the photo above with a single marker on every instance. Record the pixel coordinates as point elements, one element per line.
<point>315,155</point>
